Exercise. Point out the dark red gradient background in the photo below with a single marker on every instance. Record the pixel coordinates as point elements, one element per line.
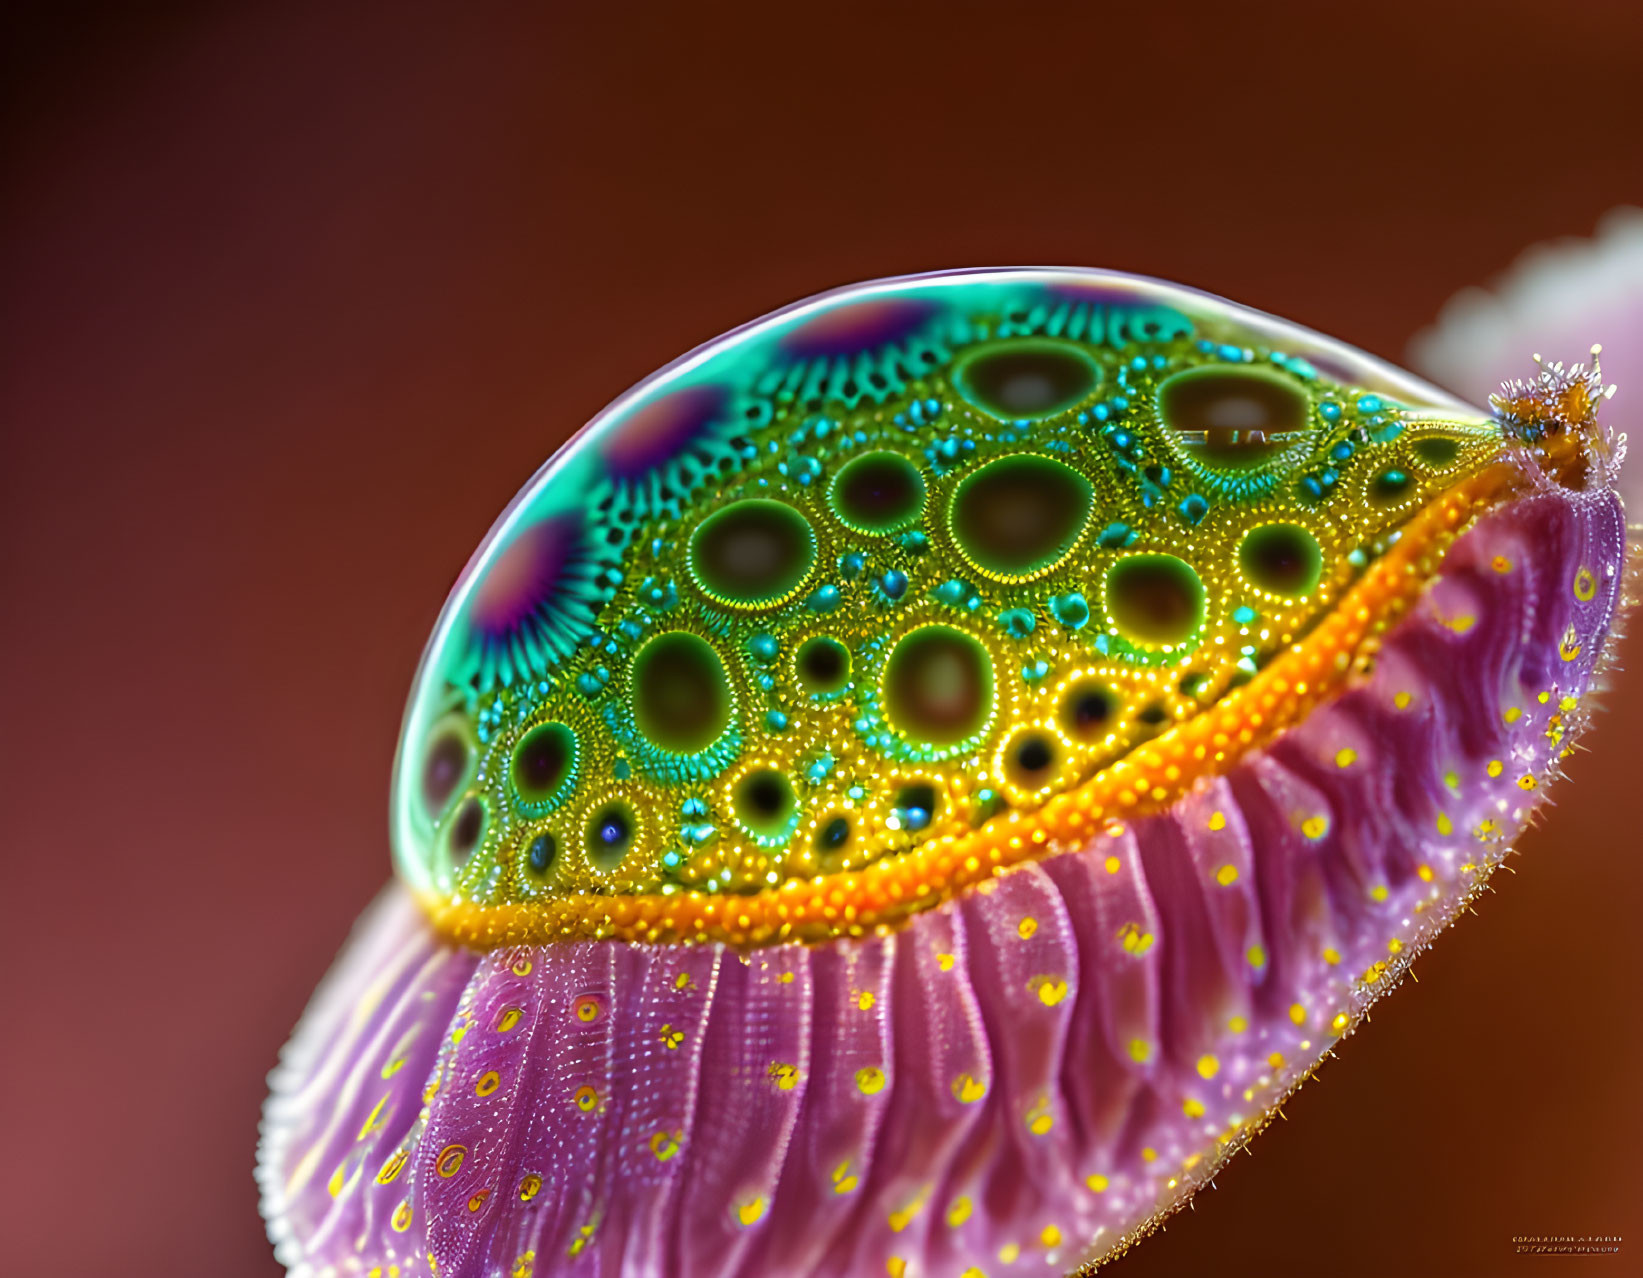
<point>294,296</point>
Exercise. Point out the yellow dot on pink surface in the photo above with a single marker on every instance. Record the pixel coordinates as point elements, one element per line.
<point>1256,956</point>
<point>1140,1051</point>
<point>1345,757</point>
<point>1217,820</point>
<point>1097,1182</point>
<point>1192,1108</point>
<point>1227,875</point>
<point>1208,1066</point>
<point>1297,1013</point>
<point>1026,928</point>
<point>1113,865</point>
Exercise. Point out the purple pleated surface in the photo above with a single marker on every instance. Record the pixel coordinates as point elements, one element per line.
<point>1025,1077</point>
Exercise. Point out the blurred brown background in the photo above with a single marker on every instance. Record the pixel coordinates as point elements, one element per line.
<point>294,296</point>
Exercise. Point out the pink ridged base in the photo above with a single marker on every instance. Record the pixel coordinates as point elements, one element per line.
<point>1028,1076</point>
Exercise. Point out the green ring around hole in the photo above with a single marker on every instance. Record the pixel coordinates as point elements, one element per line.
<point>1281,559</point>
<point>938,686</point>
<point>680,692</point>
<point>1017,517</point>
<point>887,480</point>
<point>754,809</point>
<point>1026,378</point>
<point>752,554</point>
<point>1154,598</point>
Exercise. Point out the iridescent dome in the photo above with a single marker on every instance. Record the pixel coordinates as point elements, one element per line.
<point>838,590</point>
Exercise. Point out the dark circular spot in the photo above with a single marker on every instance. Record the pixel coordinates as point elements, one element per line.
<point>467,828</point>
<point>878,493</point>
<point>753,553</point>
<point>1228,416</point>
<point>542,762</point>
<point>1153,715</point>
<point>1088,710</point>
<point>610,834</point>
<point>443,770</point>
<point>1026,378</point>
<point>1282,559</point>
<point>1030,760</point>
<point>764,802</point>
<point>823,665</point>
<point>539,856</point>
<point>1390,486</point>
<point>938,686</point>
<point>1020,516</point>
<point>833,835</point>
<point>916,805</point>
<point>681,697</point>
<point>1155,598</point>
<point>1437,450</point>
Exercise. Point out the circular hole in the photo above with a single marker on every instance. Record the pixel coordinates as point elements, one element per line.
<point>1027,379</point>
<point>1282,559</point>
<point>1437,450</point>
<point>1390,486</point>
<point>1155,598</point>
<point>1030,760</point>
<point>753,553</point>
<point>938,686</point>
<point>442,770</point>
<point>878,493</point>
<point>610,834</point>
<point>823,665</point>
<point>1020,516</point>
<point>1088,711</point>
<point>833,836</point>
<point>1154,715</point>
<point>467,828</point>
<point>542,762</point>
<point>764,802</point>
<point>541,852</point>
<point>681,697</point>
<point>1229,416</point>
<point>916,805</point>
